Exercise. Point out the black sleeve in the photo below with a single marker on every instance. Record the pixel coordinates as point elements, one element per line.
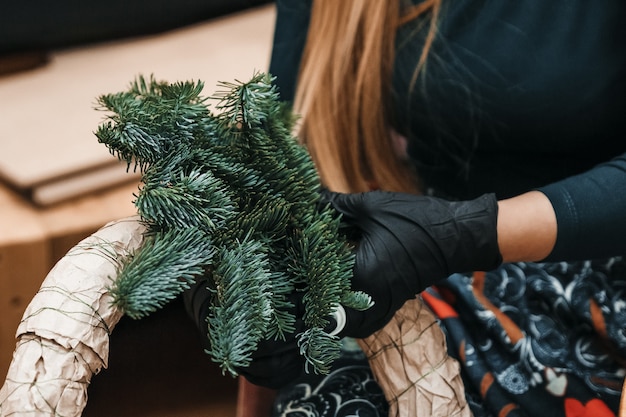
<point>290,31</point>
<point>591,213</point>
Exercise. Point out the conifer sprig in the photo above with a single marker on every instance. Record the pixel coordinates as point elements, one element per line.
<point>163,268</point>
<point>239,319</point>
<point>231,195</point>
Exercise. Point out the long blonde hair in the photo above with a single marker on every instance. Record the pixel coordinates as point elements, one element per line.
<point>343,92</point>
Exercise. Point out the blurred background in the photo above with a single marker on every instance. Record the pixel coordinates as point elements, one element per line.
<point>58,184</point>
<point>42,25</point>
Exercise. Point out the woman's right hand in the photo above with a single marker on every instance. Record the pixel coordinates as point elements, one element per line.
<point>405,243</point>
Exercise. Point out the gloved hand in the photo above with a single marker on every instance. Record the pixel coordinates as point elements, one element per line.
<point>406,243</point>
<point>275,363</point>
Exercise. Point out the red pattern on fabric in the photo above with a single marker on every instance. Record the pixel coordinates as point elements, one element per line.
<point>593,408</point>
<point>478,286</point>
<point>441,309</point>
<point>506,410</point>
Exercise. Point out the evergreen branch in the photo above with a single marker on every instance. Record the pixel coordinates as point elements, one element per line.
<point>226,163</point>
<point>198,200</point>
<point>184,92</point>
<point>161,269</point>
<point>152,119</point>
<point>131,143</point>
<point>145,87</point>
<point>282,321</point>
<point>244,105</point>
<point>264,216</point>
<point>319,349</point>
<point>322,270</point>
<point>250,191</point>
<point>243,308</point>
<point>357,300</point>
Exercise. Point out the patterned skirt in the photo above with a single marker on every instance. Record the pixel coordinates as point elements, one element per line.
<point>531,339</point>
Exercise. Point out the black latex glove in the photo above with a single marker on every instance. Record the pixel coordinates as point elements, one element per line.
<point>405,243</point>
<point>275,363</point>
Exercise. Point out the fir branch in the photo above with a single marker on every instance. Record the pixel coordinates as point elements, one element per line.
<point>319,349</point>
<point>323,263</point>
<point>243,183</point>
<point>152,119</point>
<point>357,300</point>
<point>282,321</point>
<point>243,308</point>
<point>244,105</point>
<point>264,216</point>
<point>161,269</point>
<point>197,199</point>
<point>227,164</point>
<point>131,143</point>
<point>145,87</point>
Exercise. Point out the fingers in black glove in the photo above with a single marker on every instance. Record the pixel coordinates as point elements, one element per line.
<point>409,242</point>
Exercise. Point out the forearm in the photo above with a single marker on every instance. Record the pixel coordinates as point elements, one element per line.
<point>527,227</point>
<point>578,218</point>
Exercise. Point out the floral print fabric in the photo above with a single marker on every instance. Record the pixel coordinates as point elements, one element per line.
<point>538,339</point>
<point>531,339</point>
<point>348,391</point>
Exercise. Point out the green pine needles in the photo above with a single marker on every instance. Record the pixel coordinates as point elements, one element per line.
<point>233,196</point>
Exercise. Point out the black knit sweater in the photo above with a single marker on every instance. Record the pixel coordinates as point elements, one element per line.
<point>517,95</point>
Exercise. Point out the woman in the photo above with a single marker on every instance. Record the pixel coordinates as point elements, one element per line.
<point>466,134</point>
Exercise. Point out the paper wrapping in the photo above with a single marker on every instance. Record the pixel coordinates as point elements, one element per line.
<point>63,338</point>
<point>410,362</point>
